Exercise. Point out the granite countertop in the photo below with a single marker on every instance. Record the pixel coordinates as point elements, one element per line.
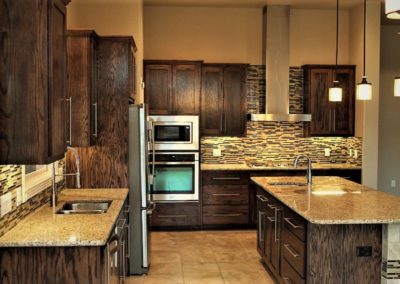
<point>334,200</point>
<point>44,228</point>
<point>275,166</point>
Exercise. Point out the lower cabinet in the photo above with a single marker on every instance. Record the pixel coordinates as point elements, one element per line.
<point>170,215</point>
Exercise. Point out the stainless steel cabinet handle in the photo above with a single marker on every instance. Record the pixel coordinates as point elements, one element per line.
<point>262,198</point>
<point>69,141</point>
<point>226,178</point>
<point>287,280</point>
<point>123,263</point>
<point>225,215</point>
<point>127,208</point>
<point>292,252</point>
<point>226,194</point>
<point>261,215</point>
<point>271,219</point>
<point>95,120</point>
<point>271,206</point>
<point>121,224</point>
<point>294,226</point>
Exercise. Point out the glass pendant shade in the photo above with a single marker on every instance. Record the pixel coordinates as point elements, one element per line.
<point>364,90</point>
<point>392,9</point>
<point>397,87</point>
<point>335,92</point>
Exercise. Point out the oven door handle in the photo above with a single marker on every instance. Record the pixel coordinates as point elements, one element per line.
<point>174,163</point>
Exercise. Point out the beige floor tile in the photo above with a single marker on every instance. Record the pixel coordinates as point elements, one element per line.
<point>241,272</point>
<point>160,256</point>
<point>238,256</point>
<point>171,269</point>
<point>203,277</point>
<point>163,279</point>
<point>199,267</point>
<point>134,280</point>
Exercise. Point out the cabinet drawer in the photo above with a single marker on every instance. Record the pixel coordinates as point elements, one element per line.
<point>295,224</point>
<point>224,178</point>
<point>293,251</point>
<point>289,275</point>
<point>175,214</point>
<point>225,214</point>
<point>226,194</point>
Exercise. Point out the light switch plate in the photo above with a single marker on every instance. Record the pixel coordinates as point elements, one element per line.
<point>327,152</point>
<point>217,152</point>
<point>6,203</point>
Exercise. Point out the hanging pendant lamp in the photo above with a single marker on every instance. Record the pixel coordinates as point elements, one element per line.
<point>336,92</point>
<point>392,9</point>
<point>364,89</point>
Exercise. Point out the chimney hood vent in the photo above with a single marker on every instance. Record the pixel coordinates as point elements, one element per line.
<point>276,37</point>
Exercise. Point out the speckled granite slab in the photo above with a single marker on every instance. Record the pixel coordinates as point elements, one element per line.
<point>44,228</point>
<point>334,200</point>
<point>287,166</point>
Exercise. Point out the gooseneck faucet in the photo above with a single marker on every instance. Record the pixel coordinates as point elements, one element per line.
<point>54,175</point>
<point>309,175</point>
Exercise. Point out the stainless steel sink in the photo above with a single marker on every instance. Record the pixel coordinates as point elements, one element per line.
<point>85,207</point>
<point>289,183</point>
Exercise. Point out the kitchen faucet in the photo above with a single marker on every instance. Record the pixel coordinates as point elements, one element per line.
<point>309,175</point>
<point>54,175</point>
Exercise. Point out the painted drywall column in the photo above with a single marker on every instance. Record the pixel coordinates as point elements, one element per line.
<point>367,113</point>
<point>117,17</point>
<point>389,115</point>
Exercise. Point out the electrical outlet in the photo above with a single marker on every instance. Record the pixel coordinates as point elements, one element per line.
<point>6,204</point>
<point>351,153</point>
<point>355,154</point>
<point>327,152</point>
<point>18,194</point>
<point>393,183</point>
<point>217,152</point>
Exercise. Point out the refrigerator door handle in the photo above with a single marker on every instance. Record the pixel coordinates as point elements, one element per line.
<point>151,208</point>
<point>145,248</point>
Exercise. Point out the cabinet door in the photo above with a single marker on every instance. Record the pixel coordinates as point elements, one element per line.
<point>234,109</point>
<point>158,88</point>
<point>186,89</point>
<point>81,88</point>
<point>320,107</point>
<point>343,114</point>
<point>212,100</point>
<point>57,82</point>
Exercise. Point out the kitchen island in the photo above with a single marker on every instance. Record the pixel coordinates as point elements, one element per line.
<point>47,247</point>
<point>334,231</point>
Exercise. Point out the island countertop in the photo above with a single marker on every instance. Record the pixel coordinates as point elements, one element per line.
<point>333,200</point>
<point>44,228</point>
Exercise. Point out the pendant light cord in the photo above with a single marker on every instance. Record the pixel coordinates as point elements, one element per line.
<point>365,34</point>
<point>337,37</point>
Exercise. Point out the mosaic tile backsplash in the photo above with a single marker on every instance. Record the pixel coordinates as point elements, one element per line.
<point>11,183</point>
<point>276,142</point>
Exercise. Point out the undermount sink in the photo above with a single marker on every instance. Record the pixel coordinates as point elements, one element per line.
<point>289,183</point>
<point>85,207</point>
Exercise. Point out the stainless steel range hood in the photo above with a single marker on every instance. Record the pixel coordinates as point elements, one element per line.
<point>276,33</point>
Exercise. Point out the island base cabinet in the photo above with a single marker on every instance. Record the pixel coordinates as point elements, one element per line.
<point>333,253</point>
<point>31,265</point>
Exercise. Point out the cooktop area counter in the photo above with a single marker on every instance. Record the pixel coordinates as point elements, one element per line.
<point>274,166</point>
<point>45,228</point>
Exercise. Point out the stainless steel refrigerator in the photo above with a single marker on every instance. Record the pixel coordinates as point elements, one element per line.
<point>139,191</point>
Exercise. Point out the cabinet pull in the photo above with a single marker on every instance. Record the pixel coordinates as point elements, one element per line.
<point>262,198</point>
<point>127,208</point>
<point>225,215</point>
<point>121,224</point>
<point>69,141</point>
<point>95,120</point>
<point>294,226</point>
<point>172,216</point>
<point>226,194</point>
<point>271,219</point>
<point>261,215</point>
<point>225,178</point>
<point>271,206</point>
<point>287,280</point>
<point>292,252</point>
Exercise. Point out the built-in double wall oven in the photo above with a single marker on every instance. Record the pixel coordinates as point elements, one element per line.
<point>174,158</point>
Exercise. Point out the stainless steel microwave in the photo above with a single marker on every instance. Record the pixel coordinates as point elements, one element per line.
<point>174,132</point>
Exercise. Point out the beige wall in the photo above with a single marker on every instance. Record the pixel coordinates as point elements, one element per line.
<point>117,17</point>
<point>389,115</point>
<point>197,33</point>
<point>367,113</point>
<point>313,37</point>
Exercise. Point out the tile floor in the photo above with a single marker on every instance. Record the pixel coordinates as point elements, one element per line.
<point>206,257</point>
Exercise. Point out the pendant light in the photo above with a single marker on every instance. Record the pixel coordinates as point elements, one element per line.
<point>364,89</point>
<point>335,92</point>
<point>397,87</point>
<point>392,9</point>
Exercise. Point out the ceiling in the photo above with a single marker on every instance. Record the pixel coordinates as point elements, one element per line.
<point>309,4</point>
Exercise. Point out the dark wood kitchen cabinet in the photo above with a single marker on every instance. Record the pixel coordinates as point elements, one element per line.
<point>32,81</point>
<point>82,125</point>
<point>176,215</point>
<point>172,87</point>
<point>223,100</point>
<point>329,118</point>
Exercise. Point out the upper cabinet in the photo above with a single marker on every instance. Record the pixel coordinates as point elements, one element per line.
<point>172,87</point>
<point>82,124</point>
<point>32,81</point>
<point>329,118</point>
<point>223,100</point>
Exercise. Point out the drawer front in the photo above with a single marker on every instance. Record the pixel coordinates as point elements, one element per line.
<point>224,178</point>
<point>225,194</point>
<point>175,214</point>
<point>225,214</point>
<point>293,251</point>
<point>289,275</point>
<point>295,224</point>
